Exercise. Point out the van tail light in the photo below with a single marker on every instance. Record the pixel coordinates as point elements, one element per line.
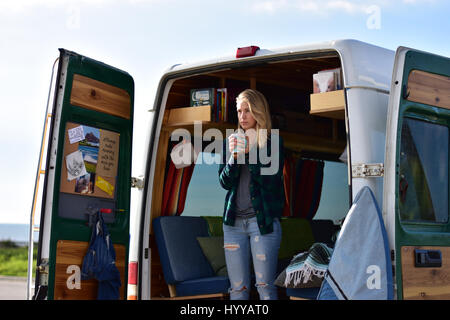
<point>132,280</point>
<point>246,51</point>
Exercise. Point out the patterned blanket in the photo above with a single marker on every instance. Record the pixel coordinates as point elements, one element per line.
<point>313,262</point>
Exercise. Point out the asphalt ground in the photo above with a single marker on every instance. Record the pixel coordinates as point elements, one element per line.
<point>13,288</point>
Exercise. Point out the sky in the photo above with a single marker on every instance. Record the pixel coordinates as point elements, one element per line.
<point>146,37</point>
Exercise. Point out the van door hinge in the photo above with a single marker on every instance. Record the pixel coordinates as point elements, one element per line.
<point>365,170</point>
<point>137,183</point>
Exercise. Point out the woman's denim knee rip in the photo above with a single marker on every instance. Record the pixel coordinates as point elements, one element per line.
<point>231,246</point>
<point>237,284</point>
<point>261,257</point>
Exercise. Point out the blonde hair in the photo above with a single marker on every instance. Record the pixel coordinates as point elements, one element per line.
<point>259,109</point>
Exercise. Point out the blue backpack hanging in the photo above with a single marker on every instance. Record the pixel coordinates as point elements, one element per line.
<point>100,262</point>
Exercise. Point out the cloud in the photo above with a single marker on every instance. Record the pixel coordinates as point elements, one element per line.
<point>311,6</point>
<point>270,6</point>
<point>416,1</point>
<point>327,6</point>
<point>21,5</point>
<point>18,6</point>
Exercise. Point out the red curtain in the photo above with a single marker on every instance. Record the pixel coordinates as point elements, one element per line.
<point>303,181</point>
<point>175,189</point>
<point>288,171</point>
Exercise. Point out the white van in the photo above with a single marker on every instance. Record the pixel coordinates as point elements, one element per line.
<point>384,125</point>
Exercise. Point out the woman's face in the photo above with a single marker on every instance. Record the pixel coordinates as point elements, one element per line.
<point>245,118</point>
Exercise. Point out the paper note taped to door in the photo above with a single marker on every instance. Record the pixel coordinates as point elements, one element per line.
<point>104,185</point>
<point>108,154</point>
<point>76,134</point>
<point>75,165</point>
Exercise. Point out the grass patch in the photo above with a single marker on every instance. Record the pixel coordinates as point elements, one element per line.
<point>14,259</point>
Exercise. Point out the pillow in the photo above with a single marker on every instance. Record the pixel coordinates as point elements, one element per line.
<point>215,225</point>
<point>313,282</point>
<point>306,269</point>
<point>214,252</point>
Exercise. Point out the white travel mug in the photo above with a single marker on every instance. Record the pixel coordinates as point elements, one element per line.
<point>240,142</point>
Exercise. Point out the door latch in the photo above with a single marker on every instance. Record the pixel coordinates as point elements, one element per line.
<point>366,170</point>
<point>427,258</point>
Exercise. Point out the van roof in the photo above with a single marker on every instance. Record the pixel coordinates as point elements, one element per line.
<point>364,64</point>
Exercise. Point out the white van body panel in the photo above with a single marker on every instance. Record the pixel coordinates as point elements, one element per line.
<point>367,111</point>
<point>145,254</point>
<point>391,146</point>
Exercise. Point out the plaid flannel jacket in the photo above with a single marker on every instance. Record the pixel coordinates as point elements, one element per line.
<point>266,191</point>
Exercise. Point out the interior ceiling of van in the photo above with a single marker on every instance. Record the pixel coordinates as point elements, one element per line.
<point>293,74</point>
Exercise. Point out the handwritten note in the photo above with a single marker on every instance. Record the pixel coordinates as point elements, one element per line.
<point>108,154</point>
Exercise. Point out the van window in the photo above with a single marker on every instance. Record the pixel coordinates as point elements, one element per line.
<point>334,199</point>
<point>205,195</point>
<point>423,180</point>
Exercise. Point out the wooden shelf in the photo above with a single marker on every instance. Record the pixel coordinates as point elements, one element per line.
<point>185,118</point>
<point>328,104</point>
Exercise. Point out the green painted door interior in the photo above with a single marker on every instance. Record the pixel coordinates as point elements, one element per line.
<point>92,170</point>
<point>422,232</point>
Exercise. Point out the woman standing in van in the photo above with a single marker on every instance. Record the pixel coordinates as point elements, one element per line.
<point>255,199</point>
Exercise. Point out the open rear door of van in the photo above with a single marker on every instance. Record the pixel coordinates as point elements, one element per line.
<point>88,170</point>
<point>416,190</point>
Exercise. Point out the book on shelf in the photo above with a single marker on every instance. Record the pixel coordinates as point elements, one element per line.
<point>327,80</point>
<point>214,97</point>
<point>223,108</point>
<point>202,97</point>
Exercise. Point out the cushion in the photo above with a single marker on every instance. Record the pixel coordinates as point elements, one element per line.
<point>212,248</point>
<point>296,237</point>
<point>314,282</point>
<point>215,225</point>
<point>209,285</point>
<point>180,253</point>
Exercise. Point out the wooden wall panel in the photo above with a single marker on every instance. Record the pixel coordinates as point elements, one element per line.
<point>99,96</point>
<point>158,180</point>
<point>70,253</point>
<point>159,287</point>
<point>425,283</point>
<point>429,88</point>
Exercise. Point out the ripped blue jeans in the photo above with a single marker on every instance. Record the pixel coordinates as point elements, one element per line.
<point>242,241</point>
